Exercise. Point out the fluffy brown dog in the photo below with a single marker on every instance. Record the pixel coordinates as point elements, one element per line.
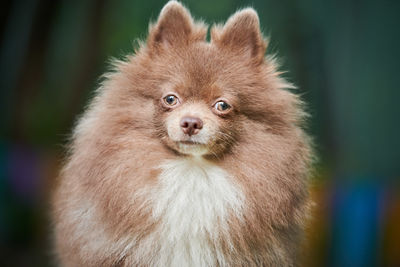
<point>191,154</point>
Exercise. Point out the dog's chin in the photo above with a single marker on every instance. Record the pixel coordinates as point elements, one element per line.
<point>191,148</point>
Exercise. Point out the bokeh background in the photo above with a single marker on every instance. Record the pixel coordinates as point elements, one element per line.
<point>343,54</point>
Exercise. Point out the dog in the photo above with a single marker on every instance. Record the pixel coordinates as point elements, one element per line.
<point>192,153</point>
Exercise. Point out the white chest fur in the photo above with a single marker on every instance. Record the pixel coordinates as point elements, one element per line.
<point>193,202</point>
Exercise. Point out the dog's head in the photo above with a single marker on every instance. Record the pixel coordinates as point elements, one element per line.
<point>206,94</point>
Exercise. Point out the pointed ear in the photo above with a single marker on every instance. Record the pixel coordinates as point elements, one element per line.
<point>174,26</point>
<point>241,34</point>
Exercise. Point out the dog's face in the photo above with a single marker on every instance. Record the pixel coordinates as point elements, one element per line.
<point>198,123</point>
<point>197,112</point>
<point>207,88</point>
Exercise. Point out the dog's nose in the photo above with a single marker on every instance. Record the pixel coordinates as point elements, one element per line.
<point>191,125</point>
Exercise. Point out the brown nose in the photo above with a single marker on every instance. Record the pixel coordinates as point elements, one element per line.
<point>191,125</point>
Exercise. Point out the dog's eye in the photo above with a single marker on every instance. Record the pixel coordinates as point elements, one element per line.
<point>171,100</point>
<point>222,106</point>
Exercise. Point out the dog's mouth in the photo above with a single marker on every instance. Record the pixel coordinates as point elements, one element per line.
<point>190,143</point>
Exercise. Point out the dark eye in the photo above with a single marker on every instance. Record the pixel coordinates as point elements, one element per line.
<point>222,106</point>
<point>170,100</point>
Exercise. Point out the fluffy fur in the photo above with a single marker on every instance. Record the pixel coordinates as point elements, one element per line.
<point>137,191</point>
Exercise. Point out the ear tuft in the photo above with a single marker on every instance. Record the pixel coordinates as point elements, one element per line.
<point>241,34</point>
<point>174,25</point>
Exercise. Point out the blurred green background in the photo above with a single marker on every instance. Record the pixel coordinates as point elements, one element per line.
<point>343,55</point>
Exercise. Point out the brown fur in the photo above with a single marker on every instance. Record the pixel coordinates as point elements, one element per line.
<point>101,201</point>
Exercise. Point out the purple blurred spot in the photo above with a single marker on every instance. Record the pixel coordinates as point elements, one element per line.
<point>23,172</point>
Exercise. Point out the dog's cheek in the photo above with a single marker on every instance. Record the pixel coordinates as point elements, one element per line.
<point>228,132</point>
<point>210,130</point>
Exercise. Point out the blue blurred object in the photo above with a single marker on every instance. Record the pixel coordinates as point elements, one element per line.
<point>357,209</point>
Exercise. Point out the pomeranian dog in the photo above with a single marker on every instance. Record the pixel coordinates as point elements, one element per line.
<point>192,153</point>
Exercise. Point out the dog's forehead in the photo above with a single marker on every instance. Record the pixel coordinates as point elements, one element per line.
<point>204,63</point>
<point>208,77</point>
<point>198,71</point>
<point>204,57</point>
<point>206,92</point>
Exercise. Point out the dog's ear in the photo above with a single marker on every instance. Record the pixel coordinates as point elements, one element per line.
<point>241,34</point>
<point>174,26</point>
